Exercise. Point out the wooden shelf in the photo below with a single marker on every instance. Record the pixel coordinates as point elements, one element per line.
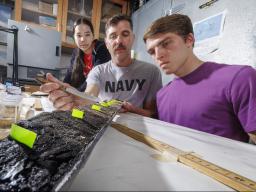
<point>79,15</point>
<point>67,48</point>
<point>28,11</point>
<point>40,25</point>
<point>39,12</point>
<point>68,45</point>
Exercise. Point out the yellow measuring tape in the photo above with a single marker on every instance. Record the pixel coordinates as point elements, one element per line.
<point>224,176</point>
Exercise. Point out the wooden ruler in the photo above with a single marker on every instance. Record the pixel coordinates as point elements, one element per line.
<point>224,176</point>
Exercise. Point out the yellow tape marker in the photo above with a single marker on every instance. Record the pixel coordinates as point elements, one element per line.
<point>23,135</point>
<point>113,101</point>
<point>77,113</point>
<point>104,104</point>
<point>96,107</point>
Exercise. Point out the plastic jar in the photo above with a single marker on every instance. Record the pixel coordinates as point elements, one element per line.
<point>9,109</point>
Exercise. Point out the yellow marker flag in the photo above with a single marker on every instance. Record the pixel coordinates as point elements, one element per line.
<point>77,113</point>
<point>96,107</point>
<point>23,135</point>
<point>112,102</point>
<point>104,104</point>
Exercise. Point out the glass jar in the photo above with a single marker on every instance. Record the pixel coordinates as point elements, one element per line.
<point>9,109</point>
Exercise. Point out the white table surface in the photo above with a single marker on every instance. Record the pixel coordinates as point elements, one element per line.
<point>119,163</point>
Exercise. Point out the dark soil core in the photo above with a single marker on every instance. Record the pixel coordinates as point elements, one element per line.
<point>61,139</point>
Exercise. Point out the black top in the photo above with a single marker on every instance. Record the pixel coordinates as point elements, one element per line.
<point>100,55</point>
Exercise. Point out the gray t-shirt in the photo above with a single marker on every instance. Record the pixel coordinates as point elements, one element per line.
<point>137,83</point>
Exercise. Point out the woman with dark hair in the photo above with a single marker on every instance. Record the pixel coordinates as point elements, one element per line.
<point>90,52</point>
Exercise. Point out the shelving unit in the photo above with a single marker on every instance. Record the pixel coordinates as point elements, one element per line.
<point>39,12</point>
<point>109,8</point>
<point>98,11</point>
<point>73,10</point>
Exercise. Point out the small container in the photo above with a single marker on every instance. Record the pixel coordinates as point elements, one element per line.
<point>9,109</point>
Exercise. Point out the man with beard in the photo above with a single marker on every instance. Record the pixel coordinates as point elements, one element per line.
<point>122,78</point>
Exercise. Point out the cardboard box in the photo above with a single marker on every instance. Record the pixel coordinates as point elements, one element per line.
<point>45,7</point>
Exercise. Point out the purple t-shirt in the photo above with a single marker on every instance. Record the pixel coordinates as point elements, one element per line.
<point>215,98</point>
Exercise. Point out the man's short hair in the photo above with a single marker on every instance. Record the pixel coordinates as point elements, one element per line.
<point>176,23</point>
<point>114,20</point>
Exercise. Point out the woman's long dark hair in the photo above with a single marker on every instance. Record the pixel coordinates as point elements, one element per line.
<point>77,76</point>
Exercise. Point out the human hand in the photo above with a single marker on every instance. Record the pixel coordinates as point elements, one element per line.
<point>51,84</point>
<point>61,100</point>
<point>128,107</point>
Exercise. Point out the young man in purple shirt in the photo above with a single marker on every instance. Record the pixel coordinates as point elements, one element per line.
<point>216,98</point>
